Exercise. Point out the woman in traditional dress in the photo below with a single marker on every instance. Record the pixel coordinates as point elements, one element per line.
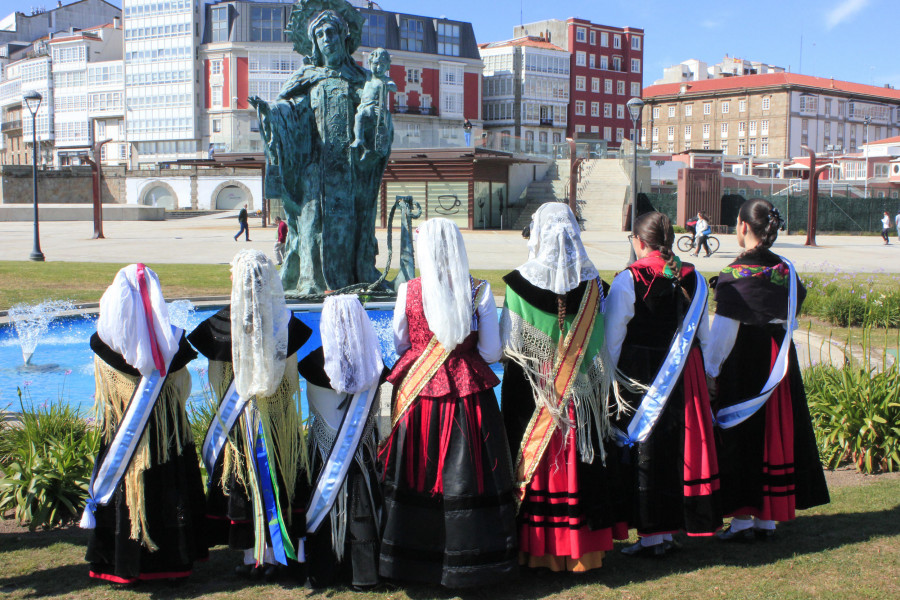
<point>557,391</point>
<point>253,451</point>
<point>146,505</point>
<point>342,378</point>
<point>767,449</point>
<point>656,319</point>
<point>449,505</point>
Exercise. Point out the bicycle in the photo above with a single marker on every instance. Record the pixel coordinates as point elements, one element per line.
<point>686,243</point>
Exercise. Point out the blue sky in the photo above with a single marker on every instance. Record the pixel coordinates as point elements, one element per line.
<point>853,40</point>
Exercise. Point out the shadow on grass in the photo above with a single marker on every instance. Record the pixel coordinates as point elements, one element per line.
<point>807,535</point>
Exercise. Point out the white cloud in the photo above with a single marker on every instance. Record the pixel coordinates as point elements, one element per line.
<point>843,11</point>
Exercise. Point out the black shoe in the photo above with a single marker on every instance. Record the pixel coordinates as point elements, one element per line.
<point>730,535</point>
<point>244,570</point>
<point>763,534</point>
<point>637,549</point>
<point>270,573</point>
<point>671,545</point>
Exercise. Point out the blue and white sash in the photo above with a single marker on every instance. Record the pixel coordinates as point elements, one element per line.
<point>738,413</point>
<point>227,414</point>
<point>654,401</point>
<point>335,470</point>
<point>109,471</point>
<point>281,543</point>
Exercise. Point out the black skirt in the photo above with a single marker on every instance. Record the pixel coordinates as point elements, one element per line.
<point>465,534</point>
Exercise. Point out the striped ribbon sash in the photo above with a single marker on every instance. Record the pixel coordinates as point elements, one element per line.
<point>424,368</point>
<point>335,470</point>
<point>110,468</point>
<point>267,480</point>
<point>738,413</point>
<point>568,362</point>
<point>227,414</point>
<point>654,401</point>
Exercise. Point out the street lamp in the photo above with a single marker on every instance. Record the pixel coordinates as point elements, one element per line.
<point>867,120</point>
<point>634,110</point>
<point>33,102</point>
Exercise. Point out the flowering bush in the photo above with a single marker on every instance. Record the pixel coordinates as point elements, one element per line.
<point>849,299</point>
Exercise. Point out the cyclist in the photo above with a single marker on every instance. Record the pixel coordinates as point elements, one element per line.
<point>703,230</point>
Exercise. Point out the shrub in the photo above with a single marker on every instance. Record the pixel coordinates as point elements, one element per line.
<point>847,300</point>
<point>46,459</point>
<point>856,412</point>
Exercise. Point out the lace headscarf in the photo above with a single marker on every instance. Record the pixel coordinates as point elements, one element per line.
<point>136,324</point>
<point>259,324</point>
<point>350,345</point>
<point>557,260</point>
<point>446,286</point>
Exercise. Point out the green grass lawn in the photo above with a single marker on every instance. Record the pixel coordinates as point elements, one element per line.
<point>847,549</point>
<point>81,282</point>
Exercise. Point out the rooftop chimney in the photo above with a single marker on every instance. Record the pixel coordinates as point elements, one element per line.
<point>117,23</point>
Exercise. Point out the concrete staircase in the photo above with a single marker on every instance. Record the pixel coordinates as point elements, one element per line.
<point>550,189</point>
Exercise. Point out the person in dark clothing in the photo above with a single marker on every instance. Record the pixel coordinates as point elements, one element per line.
<point>245,229</point>
<point>280,240</point>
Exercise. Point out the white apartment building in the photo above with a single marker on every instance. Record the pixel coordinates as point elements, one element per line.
<point>162,79</point>
<point>526,92</point>
<point>21,77</point>
<point>698,70</point>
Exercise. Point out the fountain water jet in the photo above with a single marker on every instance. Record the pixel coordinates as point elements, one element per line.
<point>32,320</point>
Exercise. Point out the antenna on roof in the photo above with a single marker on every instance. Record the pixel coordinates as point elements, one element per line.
<point>521,12</point>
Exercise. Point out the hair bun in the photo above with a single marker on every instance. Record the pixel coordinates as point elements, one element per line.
<point>775,216</point>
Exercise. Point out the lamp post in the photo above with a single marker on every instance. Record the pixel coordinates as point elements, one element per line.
<point>867,120</point>
<point>33,102</point>
<point>634,111</point>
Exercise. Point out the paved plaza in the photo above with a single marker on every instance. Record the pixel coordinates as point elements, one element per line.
<point>209,240</point>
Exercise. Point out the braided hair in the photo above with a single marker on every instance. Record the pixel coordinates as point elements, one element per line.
<point>764,221</point>
<point>655,230</point>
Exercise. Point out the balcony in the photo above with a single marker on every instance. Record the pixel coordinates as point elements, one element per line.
<point>415,110</point>
<point>9,126</point>
<point>546,122</point>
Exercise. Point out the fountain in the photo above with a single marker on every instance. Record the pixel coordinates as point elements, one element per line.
<point>32,320</point>
<point>182,313</point>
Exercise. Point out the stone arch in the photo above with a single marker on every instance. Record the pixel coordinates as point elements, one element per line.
<point>245,195</point>
<point>159,193</point>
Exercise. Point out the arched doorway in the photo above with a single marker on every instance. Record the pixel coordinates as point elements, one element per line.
<point>231,197</point>
<point>160,195</point>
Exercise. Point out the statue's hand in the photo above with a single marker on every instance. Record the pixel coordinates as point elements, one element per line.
<point>256,102</point>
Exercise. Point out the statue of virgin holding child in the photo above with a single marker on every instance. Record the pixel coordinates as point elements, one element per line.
<point>327,180</point>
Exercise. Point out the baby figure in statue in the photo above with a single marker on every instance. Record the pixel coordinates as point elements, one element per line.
<point>373,117</point>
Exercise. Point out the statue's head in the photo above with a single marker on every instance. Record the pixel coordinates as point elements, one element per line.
<point>379,61</point>
<point>325,30</point>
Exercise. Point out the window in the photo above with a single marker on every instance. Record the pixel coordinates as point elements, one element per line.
<point>216,125</point>
<point>580,34</point>
<point>635,65</point>
<point>752,127</point>
<point>620,134</point>
<point>742,128</point>
<point>579,107</point>
<point>594,129</point>
<point>373,31</point>
<point>595,109</point>
<point>607,110</point>
<point>595,85</point>
<point>579,129</point>
<point>593,38</point>
<point>635,89</point>
<point>216,95</point>
<point>707,108</point>
<point>617,41</point>
<point>764,127</point>
<point>413,75</point>
<point>607,133</point>
<point>670,133</point>
<point>580,59</point>
<point>706,131</point>
<point>808,103</point>
<point>620,111</point>
<point>753,147</point>
<point>591,61</point>
<point>448,39</point>
<point>765,103</point>
<point>617,63</point>
<point>742,106</point>
<point>688,110</point>
<point>724,146</point>
<point>725,108</point>
<point>604,63</point>
<point>266,24</point>
<point>687,132</point>
<point>742,148</point>
<point>220,24</point>
<point>724,129</point>
<point>215,67</point>
<point>655,112</point>
<point>671,111</point>
<point>412,35</point>
<point>607,86</point>
<point>635,43</point>
<point>655,134</point>
<point>706,145</point>
<point>620,88</point>
<point>604,39</point>
<point>579,83</point>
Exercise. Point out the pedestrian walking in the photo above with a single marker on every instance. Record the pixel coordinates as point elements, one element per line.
<point>280,240</point>
<point>897,223</point>
<point>886,228</point>
<point>245,228</point>
<point>467,130</point>
<point>703,231</point>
